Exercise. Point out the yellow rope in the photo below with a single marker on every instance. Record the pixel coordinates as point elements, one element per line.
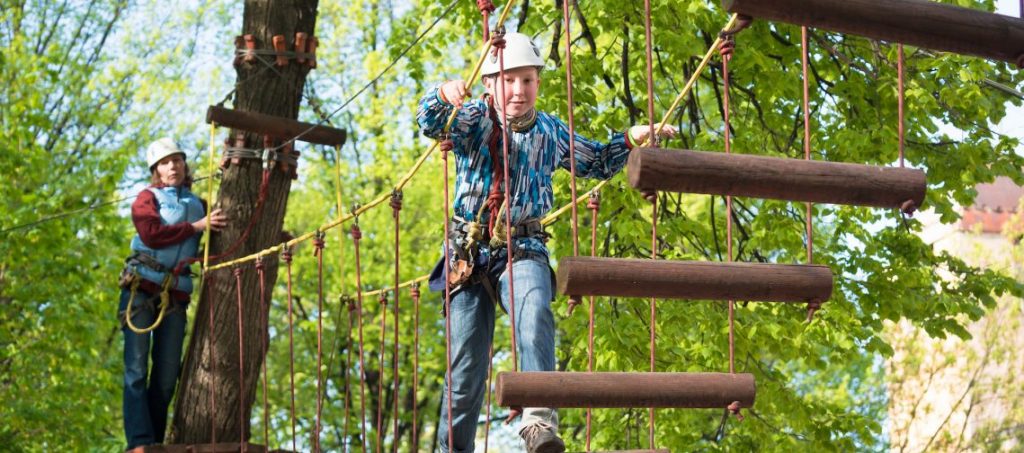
<point>693,79</point>
<point>165,302</point>
<point>385,196</point>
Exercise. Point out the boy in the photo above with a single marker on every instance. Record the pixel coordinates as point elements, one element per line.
<point>538,145</point>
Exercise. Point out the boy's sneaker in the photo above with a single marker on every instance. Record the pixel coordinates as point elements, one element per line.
<point>541,438</point>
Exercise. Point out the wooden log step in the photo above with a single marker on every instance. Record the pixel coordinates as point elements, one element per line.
<point>623,390</point>
<point>220,447</point>
<point>922,23</point>
<point>631,277</point>
<point>777,178</point>
<point>275,126</point>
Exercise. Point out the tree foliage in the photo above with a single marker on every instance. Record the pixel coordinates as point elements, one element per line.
<point>820,386</point>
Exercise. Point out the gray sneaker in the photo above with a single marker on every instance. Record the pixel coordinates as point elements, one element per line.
<point>541,437</point>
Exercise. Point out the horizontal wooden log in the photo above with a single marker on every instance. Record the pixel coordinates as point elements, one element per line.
<point>639,389</point>
<point>777,178</point>
<point>921,23</point>
<point>221,447</point>
<point>282,128</point>
<point>630,277</point>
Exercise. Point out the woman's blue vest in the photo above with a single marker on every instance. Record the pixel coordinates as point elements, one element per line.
<point>176,205</point>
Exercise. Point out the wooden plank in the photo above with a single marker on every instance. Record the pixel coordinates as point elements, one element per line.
<point>630,277</point>
<point>621,390</point>
<point>282,128</point>
<point>777,178</point>
<point>921,23</point>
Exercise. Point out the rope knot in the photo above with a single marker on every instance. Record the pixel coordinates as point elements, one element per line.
<point>728,46</point>
<point>574,301</point>
<point>414,291</point>
<point>382,299</point>
<point>349,302</point>
<point>318,243</point>
<point>286,253</point>
<point>497,41</point>
<point>446,144</point>
<point>734,409</point>
<point>237,272</point>
<point>485,6</point>
<point>396,201</point>
<point>594,202</point>
<point>812,308</point>
<point>259,263</point>
<point>357,234</point>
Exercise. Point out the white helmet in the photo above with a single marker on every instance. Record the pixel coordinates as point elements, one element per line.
<point>160,149</point>
<point>519,51</point>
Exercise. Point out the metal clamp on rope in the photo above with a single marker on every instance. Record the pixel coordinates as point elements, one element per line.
<point>268,163</point>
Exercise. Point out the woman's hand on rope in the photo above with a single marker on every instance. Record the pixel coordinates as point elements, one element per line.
<point>454,92</point>
<point>640,134</point>
<point>215,221</point>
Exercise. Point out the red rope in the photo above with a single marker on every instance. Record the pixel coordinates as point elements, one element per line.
<point>487,418</point>
<point>396,208</point>
<point>383,300</point>
<point>348,367</point>
<point>318,250</point>
<point>654,202</point>
<point>264,315</point>
<point>241,360</point>
<point>357,234</point>
<point>809,208</point>
<point>447,145</point>
<point>572,127</point>
<point>486,7</point>
<point>286,256</point>
<point>498,42</point>
<point>726,51</point>
<point>899,84</point>
<point>414,292</point>
<point>594,204</point>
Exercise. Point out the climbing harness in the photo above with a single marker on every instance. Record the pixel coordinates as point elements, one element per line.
<point>133,281</point>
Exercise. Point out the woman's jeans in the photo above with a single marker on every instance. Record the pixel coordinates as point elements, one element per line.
<point>472,330</point>
<point>145,403</point>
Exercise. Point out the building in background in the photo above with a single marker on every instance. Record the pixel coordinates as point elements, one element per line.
<point>950,394</point>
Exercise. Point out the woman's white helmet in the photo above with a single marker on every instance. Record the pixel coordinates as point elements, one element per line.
<point>519,51</point>
<point>160,149</point>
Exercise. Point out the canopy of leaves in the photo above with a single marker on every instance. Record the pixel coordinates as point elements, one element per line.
<point>820,385</point>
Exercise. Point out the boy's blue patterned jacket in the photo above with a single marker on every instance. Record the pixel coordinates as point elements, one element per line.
<point>534,153</point>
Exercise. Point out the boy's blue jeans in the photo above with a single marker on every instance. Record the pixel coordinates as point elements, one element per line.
<point>146,400</point>
<point>472,330</point>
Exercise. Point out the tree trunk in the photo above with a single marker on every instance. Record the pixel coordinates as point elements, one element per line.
<point>211,400</point>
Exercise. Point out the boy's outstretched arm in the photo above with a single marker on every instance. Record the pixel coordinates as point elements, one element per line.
<point>599,160</point>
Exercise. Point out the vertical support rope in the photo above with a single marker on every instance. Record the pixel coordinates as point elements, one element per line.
<point>379,427</point>
<point>726,48</point>
<point>804,56</point>
<point>900,61</point>
<point>594,204</point>
<point>265,343</point>
<point>652,137</point>
<point>286,256</point>
<point>726,52</point>
<point>241,361</point>
<point>414,293</point>
<point>342,300</point>
<point>357,234</point>
<point>805,47</point>
<point>500,47</point>
<point>318,250</point>
<point>447,145</point>
<point>572,127</point>
<point>487,417</point>
<point>396,208</point>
